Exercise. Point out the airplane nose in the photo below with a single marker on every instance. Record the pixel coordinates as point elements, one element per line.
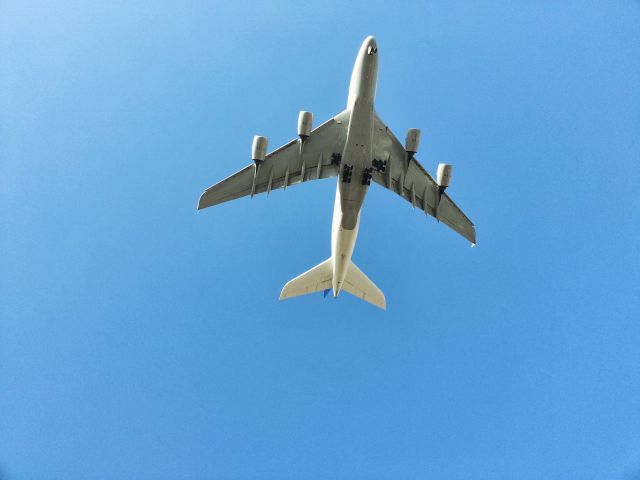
<point>369,45</point>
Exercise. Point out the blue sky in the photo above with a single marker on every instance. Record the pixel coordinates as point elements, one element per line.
<point>140,339</point>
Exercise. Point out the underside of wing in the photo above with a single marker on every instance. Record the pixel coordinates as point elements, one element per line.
<point>410,180</point>
<point>293,163</point>
<point>451,215</point>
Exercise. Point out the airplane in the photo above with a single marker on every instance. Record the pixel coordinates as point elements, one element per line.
<point>355,146</point>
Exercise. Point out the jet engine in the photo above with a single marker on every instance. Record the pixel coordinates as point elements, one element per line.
<point>445,172</point>
<point>305,124</point>
<point>412,142</point>
<point>259,149</point>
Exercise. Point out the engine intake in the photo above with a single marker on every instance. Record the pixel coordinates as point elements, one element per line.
<point>445,172</point>
<point>305,124</point>
<point>259,149</point>
<point>412,142</point>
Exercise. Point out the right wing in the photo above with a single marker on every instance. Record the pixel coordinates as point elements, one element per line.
<point>286,166</point>
<point>414,184</point>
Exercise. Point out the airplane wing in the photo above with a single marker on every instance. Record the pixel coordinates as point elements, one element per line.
<point>286,166</point>
<point>414,184</point>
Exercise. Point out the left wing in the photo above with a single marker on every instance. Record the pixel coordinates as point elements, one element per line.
<point>414,184</point>
<point>287,165</point>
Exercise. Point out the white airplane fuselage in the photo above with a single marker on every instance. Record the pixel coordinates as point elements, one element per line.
<point>357,156</point>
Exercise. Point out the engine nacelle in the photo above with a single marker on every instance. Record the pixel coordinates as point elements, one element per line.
<point>412,142</point>
<point>259,149</point>
<point>305,124</point>
<point>445,172</point>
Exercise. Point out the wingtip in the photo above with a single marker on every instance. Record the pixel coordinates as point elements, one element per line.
<point>283,292</point>
<point>472,237</point>
<point>199,204</point>
<point>383,303</point>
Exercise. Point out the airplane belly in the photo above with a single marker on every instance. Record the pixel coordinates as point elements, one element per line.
<point>343,243</point>
<point>357,156</point>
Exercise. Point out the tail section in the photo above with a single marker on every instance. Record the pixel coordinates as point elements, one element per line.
<point>319,279</point>
<point>358,284</point>
<point>314,280</point>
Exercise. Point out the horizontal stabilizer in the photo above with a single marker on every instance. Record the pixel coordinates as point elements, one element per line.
<point>358,284</point>
<point>314,280</point>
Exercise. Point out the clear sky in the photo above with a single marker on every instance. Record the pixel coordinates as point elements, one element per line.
<point>141,339</point>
